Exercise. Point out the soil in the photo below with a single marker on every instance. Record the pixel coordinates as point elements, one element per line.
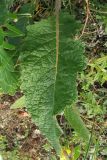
<point>25,138</point>
<point>20,132</point>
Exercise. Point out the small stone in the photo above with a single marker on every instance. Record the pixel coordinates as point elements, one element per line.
<point>36,133</point>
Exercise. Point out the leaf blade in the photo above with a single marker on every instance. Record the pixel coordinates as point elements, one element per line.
<point>8,77</point>
<point>40,82</point>
<point>13,29</point>
<point>74,119</point>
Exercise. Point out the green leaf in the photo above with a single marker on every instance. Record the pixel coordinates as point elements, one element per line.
<point>9,2</point>
<point>49,86</point>
<point>3,11</point>
<point>8,78</point>
<point>74,119</point>
<point>13,29</point>
<point>77,152</point>
<point>5,14</point>
<point>19,103</point>
<point>1,39</point>
<point>7,33</point>
<point>8,46</point>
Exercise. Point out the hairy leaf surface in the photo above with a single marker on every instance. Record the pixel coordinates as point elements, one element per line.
<point>50,86</point>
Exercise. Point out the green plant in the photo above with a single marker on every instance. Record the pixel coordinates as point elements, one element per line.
<point>8,74</point>
<point>50,81</point>
<point>48,72</point>
<point>11,155</point>
<point>51,56</point>
<point>91,98</point>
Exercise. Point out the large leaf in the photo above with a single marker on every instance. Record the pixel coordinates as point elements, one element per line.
<point>8,77</point>
<point>50,86</point>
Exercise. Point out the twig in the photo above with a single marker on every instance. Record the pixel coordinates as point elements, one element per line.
<point>91,122</point>
<point>97,11</point>
<point>87,17</point>
<point>89,144</point>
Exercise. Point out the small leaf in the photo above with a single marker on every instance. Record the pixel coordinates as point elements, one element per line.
<point>15,30</point>
<point>19,103</point>
<point>1,158</point>
<point>74,119</point>
<point>77,152</point>
<point>8,77</point>
<point>1,36</point>
<point>1,39</point>
<point>8,46</point>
